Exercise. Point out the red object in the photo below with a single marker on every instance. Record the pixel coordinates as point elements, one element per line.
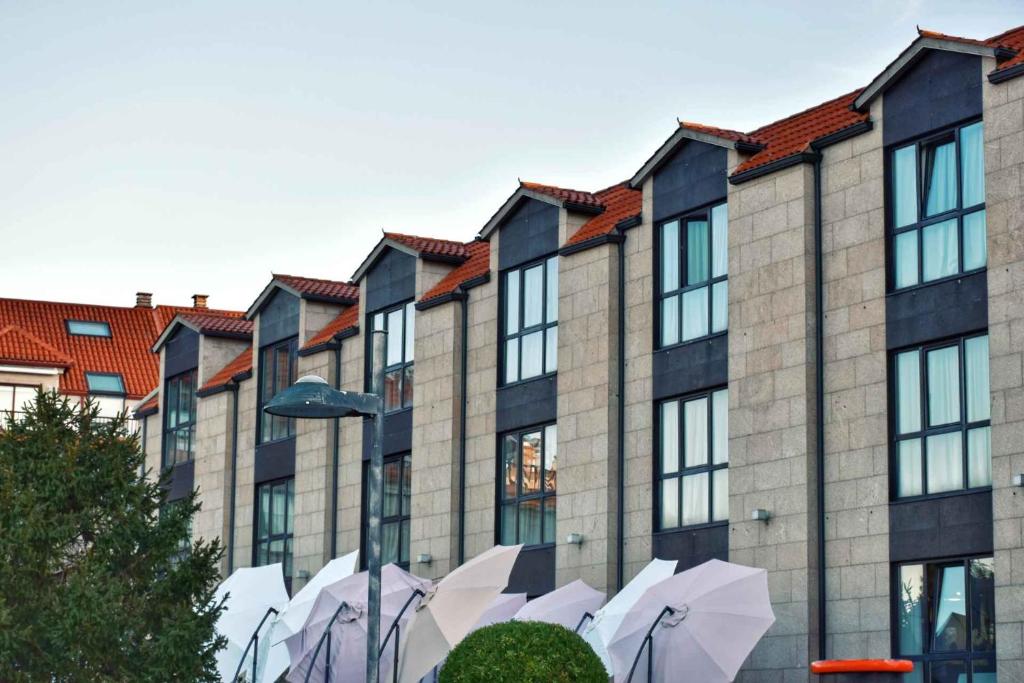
<point>619,202</point>
<point>854,666</point>
<point>478,263</point>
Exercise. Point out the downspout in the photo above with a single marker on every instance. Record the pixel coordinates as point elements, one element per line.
<point>335,457</point>
<point>620,513</point>
<point>234,467</point>
<point>463,364</point>
<point>819,400</point>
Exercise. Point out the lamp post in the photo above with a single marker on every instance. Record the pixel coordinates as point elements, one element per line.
<point>312,397</point>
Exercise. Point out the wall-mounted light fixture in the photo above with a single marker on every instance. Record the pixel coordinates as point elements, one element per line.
<point>759,515</point>
<point>1018,480</point>
<point>574,539</point>
<point>425,558</point>
<point>303,574</point>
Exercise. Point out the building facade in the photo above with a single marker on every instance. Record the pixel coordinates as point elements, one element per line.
<point>799,348</point>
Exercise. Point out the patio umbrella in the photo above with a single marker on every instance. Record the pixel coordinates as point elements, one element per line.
<point>501,609</point>
<point>452,609</point>
<point>704,621</point>
<point>250,592</point>
<point>564,606</point>
<point>606,620</point>
<point>348,599</point>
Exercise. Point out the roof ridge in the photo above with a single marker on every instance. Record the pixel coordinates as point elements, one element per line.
<point>389,233</point>
<point>805,111</point>
<point>315,279</point>
<point>1004,34</point>
<point>621,183</point>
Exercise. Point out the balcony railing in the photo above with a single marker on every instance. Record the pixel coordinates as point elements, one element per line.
<point>6,417</point>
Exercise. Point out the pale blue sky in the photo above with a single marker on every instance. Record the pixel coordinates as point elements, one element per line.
<point>198,146</point>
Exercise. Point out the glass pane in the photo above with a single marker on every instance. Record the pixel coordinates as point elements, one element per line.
<point>508,524</point>
<point>389,542</point>
<point>979,457</point>
<point>533,354</point>
<point>976,367</point>
<point>395,337</point>
<point>910,479</point>
<point>552,289</point>
<point>551,352</point>
<point>720,240</point>
<point>531,463</point>
<point>670,320</point>
<point>282,377</point>
<point>669,437</point>
<point>378,321</point>
<point>88,328</point>
<point>984,670</point>
<point>720,495</point>
<point>696,252</point>
<point>943,386</point>
<point>169,401</point>
<point>403,551</point>
<point>906,259</point>
<point>945,462</point>
<point>264,526</point>
<point>695,499</point>
<point>187,404</point>
<point>720,306</point>
<point>530,521</point>
<point>107,383</point>
<point>512,302</point>
<point>533,296</point>
<point>392,487</point>
<point>720,426</point>
<point>278,510</point>
<point>512,360</point>
<point>669,503</point>
<point>510,465</point>
<point>289,522</point>
<point>410,331</point>
<point>407,386</point>
<point>670,256</point>
<point>695,313</point>
<point>975,249</point>
<point>904,180</point>
<point>941,180</point>
<point>908,386</point>
<point>972,164</point>
<point>550,458</point>
<point>287,569</point>
<point>695,421</point>
<point>407,485</point>
<point>550,518</point>
<point>941,251</point>
<point>910,609</point>
<point>950,628</point>
<point>983,606</point>
<point>276,552</point>
<point>393,389</point>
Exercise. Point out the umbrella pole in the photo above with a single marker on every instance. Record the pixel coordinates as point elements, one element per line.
<point>586,615</point>
<point>396,629</point>
<point>254,640</point>
<point>325,636</point>
<point>648,642</point>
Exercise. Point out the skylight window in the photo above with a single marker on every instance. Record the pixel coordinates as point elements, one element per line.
<point>104,383</point>
<point>88,328</point>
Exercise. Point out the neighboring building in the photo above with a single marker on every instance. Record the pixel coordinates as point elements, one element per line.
<point>821,319</point>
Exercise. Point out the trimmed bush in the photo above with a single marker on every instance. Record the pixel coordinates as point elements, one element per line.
<point>523,652</point>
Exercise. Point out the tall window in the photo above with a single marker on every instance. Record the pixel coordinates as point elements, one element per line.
<point>531,321</point>
<point>394,527</point>
<point>277,373</point>
<point>942,417</point>
<point>945,620</point>
<point>937,197</point>
<point>693,471</point>
<point>275,510</point>
<point>13,400</point>
<point>180,419</point>
<point>529,477</point>
<point>693,282</point>
<point>400,324</point>
<point>106,391</point>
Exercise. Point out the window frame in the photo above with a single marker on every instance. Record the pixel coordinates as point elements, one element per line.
<point>404,515</point>
<point>70,322</point>
<point>543,495</point>
<point>168,432</point>
<point>293,347</point>
<point>704,213</point>
<point>406,365</point>
<point>505,336</point>
<point>104,392</point>
<point>13,411</point>
<point>288,537</point>
<point>958,213</point>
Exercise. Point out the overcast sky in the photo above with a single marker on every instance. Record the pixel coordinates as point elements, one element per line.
<point>183,147</point>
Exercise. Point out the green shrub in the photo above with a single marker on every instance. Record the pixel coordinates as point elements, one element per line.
<point>523,652</point>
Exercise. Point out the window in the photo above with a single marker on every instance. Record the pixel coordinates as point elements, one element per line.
<point>184,544</point>
<point>88,328</point>
<point>394,525</point>
<point>400,325</point>
<point>530,325</point>
<point>693,284</point>
<point>942,417</point>
<point>528,480</point>
<point>277,373</point>
<point>693,460</point>
<point>180,419</point>
<point>937,192</point>
<point>13,400</point>
<point>945,620</point>
<point>104,383</point>
<point>275,509</point>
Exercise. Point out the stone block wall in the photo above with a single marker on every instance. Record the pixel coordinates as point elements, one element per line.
<point>214,428</point>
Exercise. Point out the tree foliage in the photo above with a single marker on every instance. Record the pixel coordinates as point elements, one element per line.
<point>97,582</point>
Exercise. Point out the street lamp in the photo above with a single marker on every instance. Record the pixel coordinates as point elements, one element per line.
<point>312,397</point>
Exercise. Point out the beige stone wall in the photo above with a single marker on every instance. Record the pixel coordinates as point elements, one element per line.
<point>246,463</point>
<point>1004,189</point>
<point>214,428</point>
<point>214,354</point>
<point>587,412</point>
<point>314,316</point>
<point>771,397</point>
<point>350,478</point>
<point>153,443</point>
<point>856,427</point>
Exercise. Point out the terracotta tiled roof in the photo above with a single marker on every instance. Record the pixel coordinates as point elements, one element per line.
<point>150,405</point>
<point>330,289</point>
<point>429,245</point>
<point>924,33</point>
<point>620,202</point>
<point>478,263</point>
<point>18,347</point>
<point>240,365</point>
<point>1013,40</point>
<point>346,320</point>
<point>725,133</point>
<point>563,194</point>
<point>163,315</point>
<point>219,324</point>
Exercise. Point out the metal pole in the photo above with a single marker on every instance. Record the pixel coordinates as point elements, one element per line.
<point>376,511</point>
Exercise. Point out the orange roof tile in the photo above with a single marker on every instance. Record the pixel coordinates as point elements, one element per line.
<point>620,202</point>
<point>478,263</point>
<point>149,406</point>
<point>314,287</point>
<point>346,320</point>
<point>561,193</point>
<point>725,133</point>
<point>1013,40</point>
<point>241,364</point>
<point>219,324</point>
<point>429,245</point>
<point>21,348</point>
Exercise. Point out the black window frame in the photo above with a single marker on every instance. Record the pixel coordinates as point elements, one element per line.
<point>505,336</point>
<point>292,343</point>
<point>287,537</point>
<point>13,409</point>
<point>405,369</point>
<point>922,434</point>
<point>921,144</point>
<point>105,392</point>
<point>702,213</point>
<point>189,426</point>
<point>70,322</point>
<point>544,495</point>
<point>404,516</point>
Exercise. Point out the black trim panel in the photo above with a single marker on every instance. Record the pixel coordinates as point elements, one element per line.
<point>691,547</point>
<point>691,367</point>
<point>397,434</point>
<point>944,526</point>
<point>391,280</point>
<point>181,481</point>
<point>530,232</point>
<point>275,460</point>
<point>181,352</point>
<point>693,176</point>
<point>527,403</point>
<point>533,572</point>
<point>936,311</point>
<point>941,89</point>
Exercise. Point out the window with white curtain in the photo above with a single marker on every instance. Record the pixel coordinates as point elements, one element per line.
<point>942,411</point>
<point>400,324</point>
<point>937,206</point>
<point>530,321</point>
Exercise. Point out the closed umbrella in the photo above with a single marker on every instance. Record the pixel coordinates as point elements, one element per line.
<point>249,593</point>
<point>606,620</point>
<point>565,606</point>
<point>704,621</point>
<point>451,610</point>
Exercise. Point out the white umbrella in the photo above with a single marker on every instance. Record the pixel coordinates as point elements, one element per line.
<point>451,610</point>
<point>716,613</point>
<point>606,620</point>
<point>250,592</point>
<point>564,606</point>
<point>502,609</point>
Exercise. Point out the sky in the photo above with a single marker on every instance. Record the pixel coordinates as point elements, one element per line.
<point>198,147</point>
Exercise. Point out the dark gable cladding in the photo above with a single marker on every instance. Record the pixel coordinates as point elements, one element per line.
<point>391,280</point>
<point>941,89</point>
<point>279,318</point>
<point>181,352</point>
<point>530,232</point>
<point>692,177</point>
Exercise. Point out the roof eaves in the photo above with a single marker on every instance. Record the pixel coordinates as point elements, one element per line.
<point>680,135</point>
<point>331,343</point>
<point>773,166</point>
<point>510,204</point>
<point>460,292</point>
<point>1001,75</point>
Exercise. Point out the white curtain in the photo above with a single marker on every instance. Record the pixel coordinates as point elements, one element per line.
<point>669,437</point>
<point>695,499</point>
<point>976,365</point>
<point>942,183</point>
<point>720,417</point>
<point>696,252</point>
<point>670,256</point>
<point>941,251</point>
<point>909,457</point>
<point>906,259</point>
<point>972,162</point>
<point>695,420</point>
<point>945,462</point>
<point>943,386</point>
<point>695,313</point>
<point>908,385</point>
<point>979,457</point>
<point>720,240</point>
<point>904,172</point>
